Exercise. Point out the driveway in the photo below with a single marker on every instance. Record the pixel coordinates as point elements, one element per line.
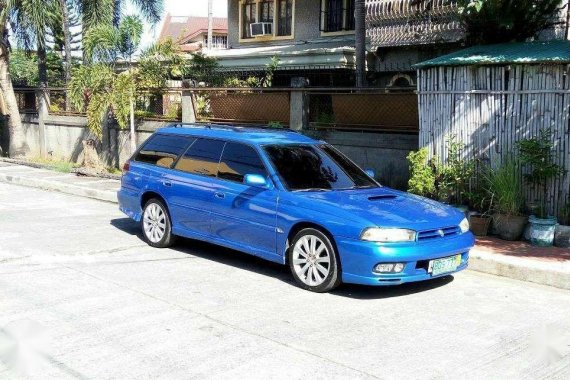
<point>81,296</point>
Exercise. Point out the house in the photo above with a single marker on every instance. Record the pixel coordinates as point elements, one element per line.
<point>315,38</point>
<point>192,32</point>
<point>402,33</point>
<point>312,38</point>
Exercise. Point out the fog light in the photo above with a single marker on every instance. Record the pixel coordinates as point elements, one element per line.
<point>384,268</point>
<point>389,268</point>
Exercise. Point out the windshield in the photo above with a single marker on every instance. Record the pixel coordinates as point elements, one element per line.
<point>316,168</point>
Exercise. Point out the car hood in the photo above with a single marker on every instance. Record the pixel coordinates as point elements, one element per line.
<point>386,207</point>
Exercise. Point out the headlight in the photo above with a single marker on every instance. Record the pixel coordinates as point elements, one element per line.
<point>388,235</point>
<point>464,225</point>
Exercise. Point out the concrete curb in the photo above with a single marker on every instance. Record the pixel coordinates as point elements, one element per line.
<point>551,273</point>
<point>52,185</point>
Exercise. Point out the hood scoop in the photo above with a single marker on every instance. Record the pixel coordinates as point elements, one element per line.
<point>381,197</point>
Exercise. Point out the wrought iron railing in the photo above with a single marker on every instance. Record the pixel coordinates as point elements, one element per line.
<point>412,22</point>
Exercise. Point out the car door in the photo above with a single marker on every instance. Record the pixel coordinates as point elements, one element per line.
<point>190,187</point>
<point>243,215</point>
<point>155,157</point>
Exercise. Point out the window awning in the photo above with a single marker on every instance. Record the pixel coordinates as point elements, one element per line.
<point>308,55</point>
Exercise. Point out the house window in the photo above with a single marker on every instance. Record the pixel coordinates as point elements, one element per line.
<point>284,17</point>
<point>337,15</point>
<point>266,10</point>
<point>218,42</point>
<point>279,13</point>
<point>248,16</point>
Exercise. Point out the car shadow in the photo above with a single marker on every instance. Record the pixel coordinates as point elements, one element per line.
<point>241,260</point>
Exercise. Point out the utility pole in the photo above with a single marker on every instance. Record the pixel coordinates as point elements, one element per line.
<point>360,41</point>
<point>210,23</point>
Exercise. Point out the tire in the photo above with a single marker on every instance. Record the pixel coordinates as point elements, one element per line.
<point>156,225</point>
<point>314,262</point>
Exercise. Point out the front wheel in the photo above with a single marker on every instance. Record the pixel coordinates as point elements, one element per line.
<point>313,261</point>
<point>156,226</point>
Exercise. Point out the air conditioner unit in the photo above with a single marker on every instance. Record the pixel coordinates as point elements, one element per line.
<point>261,29</point>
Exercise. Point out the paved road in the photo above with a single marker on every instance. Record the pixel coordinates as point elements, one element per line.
<point>84,297</point>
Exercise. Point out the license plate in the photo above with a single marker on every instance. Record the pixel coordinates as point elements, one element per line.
<point>445,265</point>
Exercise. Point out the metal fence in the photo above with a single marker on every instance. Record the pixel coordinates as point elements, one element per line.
<point>367,110</point>
<point>149,105</point>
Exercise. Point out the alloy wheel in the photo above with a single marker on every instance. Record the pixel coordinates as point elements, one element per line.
<point>311,260</point>
<point>154,222</point>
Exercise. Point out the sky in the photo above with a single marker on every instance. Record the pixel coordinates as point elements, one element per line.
<point>180,8</point>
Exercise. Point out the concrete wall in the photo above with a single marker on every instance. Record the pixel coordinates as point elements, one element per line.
<point>65,134</point>
<point>382,152</point>
<point>385,153</point>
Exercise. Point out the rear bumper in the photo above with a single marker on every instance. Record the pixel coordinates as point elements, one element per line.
<point>358,259</point>
<point>129,203</point>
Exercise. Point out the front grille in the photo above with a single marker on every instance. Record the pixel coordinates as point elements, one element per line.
<point>439,233</point>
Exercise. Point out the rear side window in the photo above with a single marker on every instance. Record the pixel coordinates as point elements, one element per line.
<point>163,150</point>
<point>239,160</point>
<point>202,157</point>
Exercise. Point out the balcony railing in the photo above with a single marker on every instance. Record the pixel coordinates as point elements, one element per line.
<point>412,22</point>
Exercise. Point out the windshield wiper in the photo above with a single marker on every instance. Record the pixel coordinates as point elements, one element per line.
<point>311,189</point>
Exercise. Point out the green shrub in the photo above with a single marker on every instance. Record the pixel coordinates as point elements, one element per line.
<point>422,176</point>
<point>504,188</point>
<point>538,155</point>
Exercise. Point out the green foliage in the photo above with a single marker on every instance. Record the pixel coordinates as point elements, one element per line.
<point>106,43</point>
<point>495,21</point>
<point>537,154</point>
<point>159,62</point>
<point>446,182</point>
<point>24,68</point>
<point>503,186</point>
<point>91,90</point>
<point>203,69</point>
<point>270,69</point>
<point>452,179</point>
<point>422,177</point>
<point>275,125</point>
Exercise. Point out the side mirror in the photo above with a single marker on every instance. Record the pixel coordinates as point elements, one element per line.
<point>370,173</point>
<point>255,180</point>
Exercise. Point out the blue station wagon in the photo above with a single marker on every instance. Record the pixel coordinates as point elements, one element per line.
<point>290,199</point>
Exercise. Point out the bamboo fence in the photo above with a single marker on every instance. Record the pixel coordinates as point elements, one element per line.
<point>490,108</point>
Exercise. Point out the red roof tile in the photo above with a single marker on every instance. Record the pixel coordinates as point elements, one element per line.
<point>182,28</point>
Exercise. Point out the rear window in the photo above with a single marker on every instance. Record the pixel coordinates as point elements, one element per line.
<point>163,150</point>
<point>202,158</point>
<point>239,160</point>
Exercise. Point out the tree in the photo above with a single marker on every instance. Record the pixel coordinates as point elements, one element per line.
<point>32,20</point>
<point>17,145</point>
<point>104,44</point>
<point>496,21</point>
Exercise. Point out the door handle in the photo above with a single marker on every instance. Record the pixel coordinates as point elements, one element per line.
<point>167,183</point>
<point>219,195</point>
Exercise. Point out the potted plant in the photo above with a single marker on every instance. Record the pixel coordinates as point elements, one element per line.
<point>537,154</point>
<point>562,232</point>
<point>480,218</point>
<point>503,186</point>
<point>453,177</point>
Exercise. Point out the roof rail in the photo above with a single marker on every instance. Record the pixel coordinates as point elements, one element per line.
<point>236,128</point>
<point>203,126</point>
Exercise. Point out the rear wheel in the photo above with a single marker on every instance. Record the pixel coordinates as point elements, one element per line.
<point>155,224</point>
<point>314,261</point>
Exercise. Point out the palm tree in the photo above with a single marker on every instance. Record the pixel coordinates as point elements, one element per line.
<point>17,145</point>
<point>33,20</point>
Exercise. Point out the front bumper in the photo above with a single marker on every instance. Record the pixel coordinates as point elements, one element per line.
<point>358,259</point>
